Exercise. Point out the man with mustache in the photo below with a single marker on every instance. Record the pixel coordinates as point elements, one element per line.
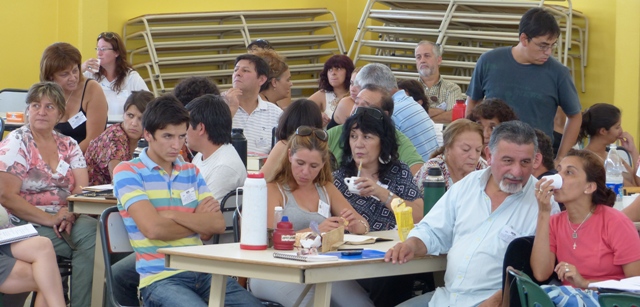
<point>442,94</point>
<point>476,219</point>
<point>530,80</point>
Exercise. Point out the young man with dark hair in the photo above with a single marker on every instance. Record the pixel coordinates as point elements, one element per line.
<point>255,116</point>
<point>530,80</point>
<point>166,203</point>
<point>209,133</point>
<point>546,167</point>
<point>194,87</point>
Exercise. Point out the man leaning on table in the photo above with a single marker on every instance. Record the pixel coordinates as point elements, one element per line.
<point>474,222</point>
<point>166,203</point>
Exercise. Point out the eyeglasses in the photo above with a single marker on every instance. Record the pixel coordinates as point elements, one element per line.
<point>319,133</point>
<point>37,106</point>
<point>107,35</point>
<point>103,49</point>
<point>545,47</point>
<point>372,112</point>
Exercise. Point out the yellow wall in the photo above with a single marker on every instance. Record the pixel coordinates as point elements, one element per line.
<point>612,75</point>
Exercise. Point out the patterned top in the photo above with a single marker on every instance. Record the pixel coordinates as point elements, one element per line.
<point>443,94</point>
<point>112,144</point>
<point>398,180</point>
<point>438,161</point>
<point>257,126</point>
<point>41,185</point>
<point>143,179</point>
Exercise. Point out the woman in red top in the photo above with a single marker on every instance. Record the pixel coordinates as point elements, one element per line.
<point>591,240</point>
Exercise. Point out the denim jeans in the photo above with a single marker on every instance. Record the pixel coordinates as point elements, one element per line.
<point>192,289</point>
<point>125,281</point>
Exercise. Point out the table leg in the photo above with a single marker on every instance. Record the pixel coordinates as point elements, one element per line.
<point>218,290</point>
<point>97,289</point>
<point>322,296</point>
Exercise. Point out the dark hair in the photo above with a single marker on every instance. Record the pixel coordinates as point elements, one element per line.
<point>194,87</point>
<point>453,130</point>
<point>545,148</point>
<point>336,61</point>
<point>302,112</point>
<point>538,22</point>
<point>58,57</point>
<point>122,65</point>
<point>386,104</point>
<point>513,131</point>
<point>138,99</point>
<point>259,44</point>
<point>163,111</point>
<point>596,117</point>
<point>383,128</point>
<point>594,168</point>
<point>214,113</point>
<point>491,108</point>
<point>262,68</point>
<point>415,90</point>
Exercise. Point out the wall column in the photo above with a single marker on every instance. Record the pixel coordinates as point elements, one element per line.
<point>627,65</point>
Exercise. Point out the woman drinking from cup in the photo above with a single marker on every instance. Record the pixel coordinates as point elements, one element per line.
<point>85,110</point>
<point>39,169</point>
<point>590,241</point>
<point>113,72</point>
<point>302,187</point>
<point>459,155</point>
<point>370,174</point>
<point>118,142</point>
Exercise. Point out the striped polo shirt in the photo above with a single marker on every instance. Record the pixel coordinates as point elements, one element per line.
<point>142,179</point>
<point>258,125</point>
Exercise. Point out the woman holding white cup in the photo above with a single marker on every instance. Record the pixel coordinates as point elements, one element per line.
<point>113,72</point>
<point>370,174</point>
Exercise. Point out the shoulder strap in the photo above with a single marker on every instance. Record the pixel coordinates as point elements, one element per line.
<point>83,91</point>
<point>284,197</point>
<point>326,195</point>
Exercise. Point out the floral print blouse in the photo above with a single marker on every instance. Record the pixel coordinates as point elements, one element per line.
<point>438,161</point>
<point>41,185</point>
<point>112,144</point>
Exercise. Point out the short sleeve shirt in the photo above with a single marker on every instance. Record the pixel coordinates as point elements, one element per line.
<point>112,144</point>
<point>41,185</point>
<point>443,94</point>
<point>257,126</point>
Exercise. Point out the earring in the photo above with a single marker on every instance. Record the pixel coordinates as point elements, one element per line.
<point>349,159</point>
<point>586,192</point>
<point>384,161</point>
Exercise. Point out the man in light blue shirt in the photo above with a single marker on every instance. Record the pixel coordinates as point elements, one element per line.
<point>474,222</point>
<point>408,116</point>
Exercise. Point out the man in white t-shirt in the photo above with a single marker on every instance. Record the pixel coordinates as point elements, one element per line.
<point>209,133</point>
<point>255,116</point>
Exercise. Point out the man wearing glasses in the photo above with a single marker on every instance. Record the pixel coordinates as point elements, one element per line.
<point>532,82</point>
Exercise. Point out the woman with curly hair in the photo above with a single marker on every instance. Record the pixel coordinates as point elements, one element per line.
<point>490,113</point>
<point>333,85</point>
<point>277,89</point>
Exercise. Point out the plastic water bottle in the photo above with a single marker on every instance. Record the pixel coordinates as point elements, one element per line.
<point>458,110</point>
<point>239,142</point>
<point>277,216</point>
<point>434,188</point>
<point>614,168</point>
<point>254,213</point>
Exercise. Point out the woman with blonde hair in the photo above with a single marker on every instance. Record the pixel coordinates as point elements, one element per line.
<point>458,156</point>
<point>86,109</point>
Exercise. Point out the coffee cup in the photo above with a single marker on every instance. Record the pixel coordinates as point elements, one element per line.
<point>351,184</point>
<point>557,180</point>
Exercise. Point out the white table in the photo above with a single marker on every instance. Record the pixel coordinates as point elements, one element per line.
<point>95,206</point>
<point>224,260</point>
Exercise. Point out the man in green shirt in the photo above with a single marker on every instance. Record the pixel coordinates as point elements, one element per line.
<point>375,96</point>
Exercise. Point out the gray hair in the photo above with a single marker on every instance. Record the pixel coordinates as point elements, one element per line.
<point>516,132</point>
<point>377,74</point>
<point>437,49</point>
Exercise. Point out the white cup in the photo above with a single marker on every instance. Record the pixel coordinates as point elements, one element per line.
<point>351,183</point>
<point>95,69</point>
<point>557,180</point>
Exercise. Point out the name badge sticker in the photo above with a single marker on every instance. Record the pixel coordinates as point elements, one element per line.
<point>324,209</point>
<point>63,168</point>
<point>188,196</point>
<point>77,120</point>
<point>507,234</point>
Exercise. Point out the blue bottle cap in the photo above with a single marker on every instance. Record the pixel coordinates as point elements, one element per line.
<point>284,219</point>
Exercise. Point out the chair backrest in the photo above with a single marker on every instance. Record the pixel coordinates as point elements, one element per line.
<point>236,224</point>
<point>1,133</point>
<point>13,100</point>
<point>619,300</point>
<point>531,295</point>
<point>228,206</point>
<point>114,240</point>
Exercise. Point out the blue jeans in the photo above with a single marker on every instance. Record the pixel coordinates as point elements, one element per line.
<point>125,281</point>
<point>192,289</point>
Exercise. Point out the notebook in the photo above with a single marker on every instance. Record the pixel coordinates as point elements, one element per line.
<point>308,258</point>
<point>17,233</point>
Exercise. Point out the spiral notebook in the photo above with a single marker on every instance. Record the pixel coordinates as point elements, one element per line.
<point>18,233</point>
<point>308,258</point>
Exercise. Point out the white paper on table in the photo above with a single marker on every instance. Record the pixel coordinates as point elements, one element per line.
<point>98,188</point>
<point>627,284</point>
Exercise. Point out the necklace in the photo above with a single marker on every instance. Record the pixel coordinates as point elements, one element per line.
<point>575,231</point>
<point>267,98</point>
<point>66,99</point>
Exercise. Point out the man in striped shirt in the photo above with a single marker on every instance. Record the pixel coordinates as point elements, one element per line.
<point>165,202</point>
<point>257,117</point>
